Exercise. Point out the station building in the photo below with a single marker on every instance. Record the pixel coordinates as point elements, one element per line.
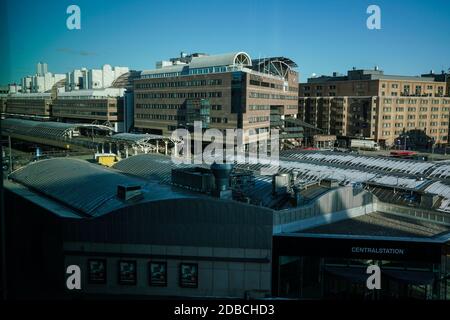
<point>151,228</point>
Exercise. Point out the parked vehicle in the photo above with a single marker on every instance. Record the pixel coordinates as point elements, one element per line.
<point>364,144</point>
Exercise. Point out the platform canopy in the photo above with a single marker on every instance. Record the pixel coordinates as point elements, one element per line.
<point>45,129</point>
<point>141,141</point>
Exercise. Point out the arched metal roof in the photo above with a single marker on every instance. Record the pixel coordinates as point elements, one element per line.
<point>44,129</point>
<point>227,59</point>
<point>279,66</point>
<point>88,189</point>
<point>143,141</point>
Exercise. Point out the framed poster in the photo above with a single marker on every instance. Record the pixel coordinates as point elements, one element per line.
<point>157,273</point>
<point>127,272</point>
<point>189,275</point>
<point>97,271</point>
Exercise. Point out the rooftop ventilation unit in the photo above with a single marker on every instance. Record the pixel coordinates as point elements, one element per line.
<point>194,178</point>
<point>280,183</point>
<point>127,192</point>
<point>221,174</point>
<point>329,183</point>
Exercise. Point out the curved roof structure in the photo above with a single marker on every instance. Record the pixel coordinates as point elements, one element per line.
<point>279,66</point>
<point>227,59</point>
<point>149,166</point>
<point>44,129</point>
<point>89,189</point>
<point>143,141</point>
<point>170,69</point>
<point>126,80</point>
<point>396,173</point>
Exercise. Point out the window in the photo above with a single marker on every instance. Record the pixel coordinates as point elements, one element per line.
<point>188,275</point>
<point>97,271</point>
<point>157,274</point>
<point>127,272</point>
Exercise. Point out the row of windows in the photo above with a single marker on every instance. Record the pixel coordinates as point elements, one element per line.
<point>207,70</point>
<point>83,105</point>
<point>173,95</point>
<point>170,106</point>
<point>157,273</point>
<point>160,117</point>
<point>258,107</point>
<point>407,87</point>
<point>266,84</point>
<point>414,101</point>
<point>421,124</point>
<point>219,120</point>
<point>258,119</point>
<point>158,106</point>
<point>177,84</point>
<point>421,116</point>
<point>413,109</point>
<point>259,95</point>
<point>83,113</point>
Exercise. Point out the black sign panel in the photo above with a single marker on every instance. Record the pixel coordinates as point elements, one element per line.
<point>357,248</point>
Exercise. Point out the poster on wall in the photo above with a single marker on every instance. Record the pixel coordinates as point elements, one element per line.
<point>158,273</point>
<point>97,271</point>
<point>127,272</point>
<point>189,275</point>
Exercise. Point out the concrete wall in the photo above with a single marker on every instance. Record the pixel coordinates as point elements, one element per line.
<point>413,212</point>
<point>337,204</point>
<point>222,272</point>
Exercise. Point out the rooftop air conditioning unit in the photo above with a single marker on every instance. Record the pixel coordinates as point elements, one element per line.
<point>127,192</point>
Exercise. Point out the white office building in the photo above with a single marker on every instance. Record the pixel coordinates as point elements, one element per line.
<point>80,79</point>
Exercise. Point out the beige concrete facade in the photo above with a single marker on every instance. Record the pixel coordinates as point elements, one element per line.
<point>379,109</point>
<point>158,102</point>
<point>239,96</point>
<point>29,106</point>
<point>107,109</point>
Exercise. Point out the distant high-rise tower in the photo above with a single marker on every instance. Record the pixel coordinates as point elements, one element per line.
<point>41,68</point>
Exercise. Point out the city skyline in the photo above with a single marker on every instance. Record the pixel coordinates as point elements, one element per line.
<point>300,30</point>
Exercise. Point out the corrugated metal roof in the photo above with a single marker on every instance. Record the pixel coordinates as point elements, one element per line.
<point>227,59</point>
<point>170,69</point>
<point>149,166</point>
<point>135,137</point>
<point>43,129</point>
<point>88,188</point>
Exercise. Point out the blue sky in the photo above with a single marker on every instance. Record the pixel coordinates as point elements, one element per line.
<point>321,36</point>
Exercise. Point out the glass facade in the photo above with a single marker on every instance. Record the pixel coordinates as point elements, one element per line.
<point>308,277</point>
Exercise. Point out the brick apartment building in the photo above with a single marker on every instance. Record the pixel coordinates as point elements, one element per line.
<point>372,105</point>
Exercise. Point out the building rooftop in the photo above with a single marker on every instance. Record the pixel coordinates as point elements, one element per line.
<point>366,74</point>
<point>92,93</point>
<point>203,63</point>
<point>382,225</point>
<point>88,189</point>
